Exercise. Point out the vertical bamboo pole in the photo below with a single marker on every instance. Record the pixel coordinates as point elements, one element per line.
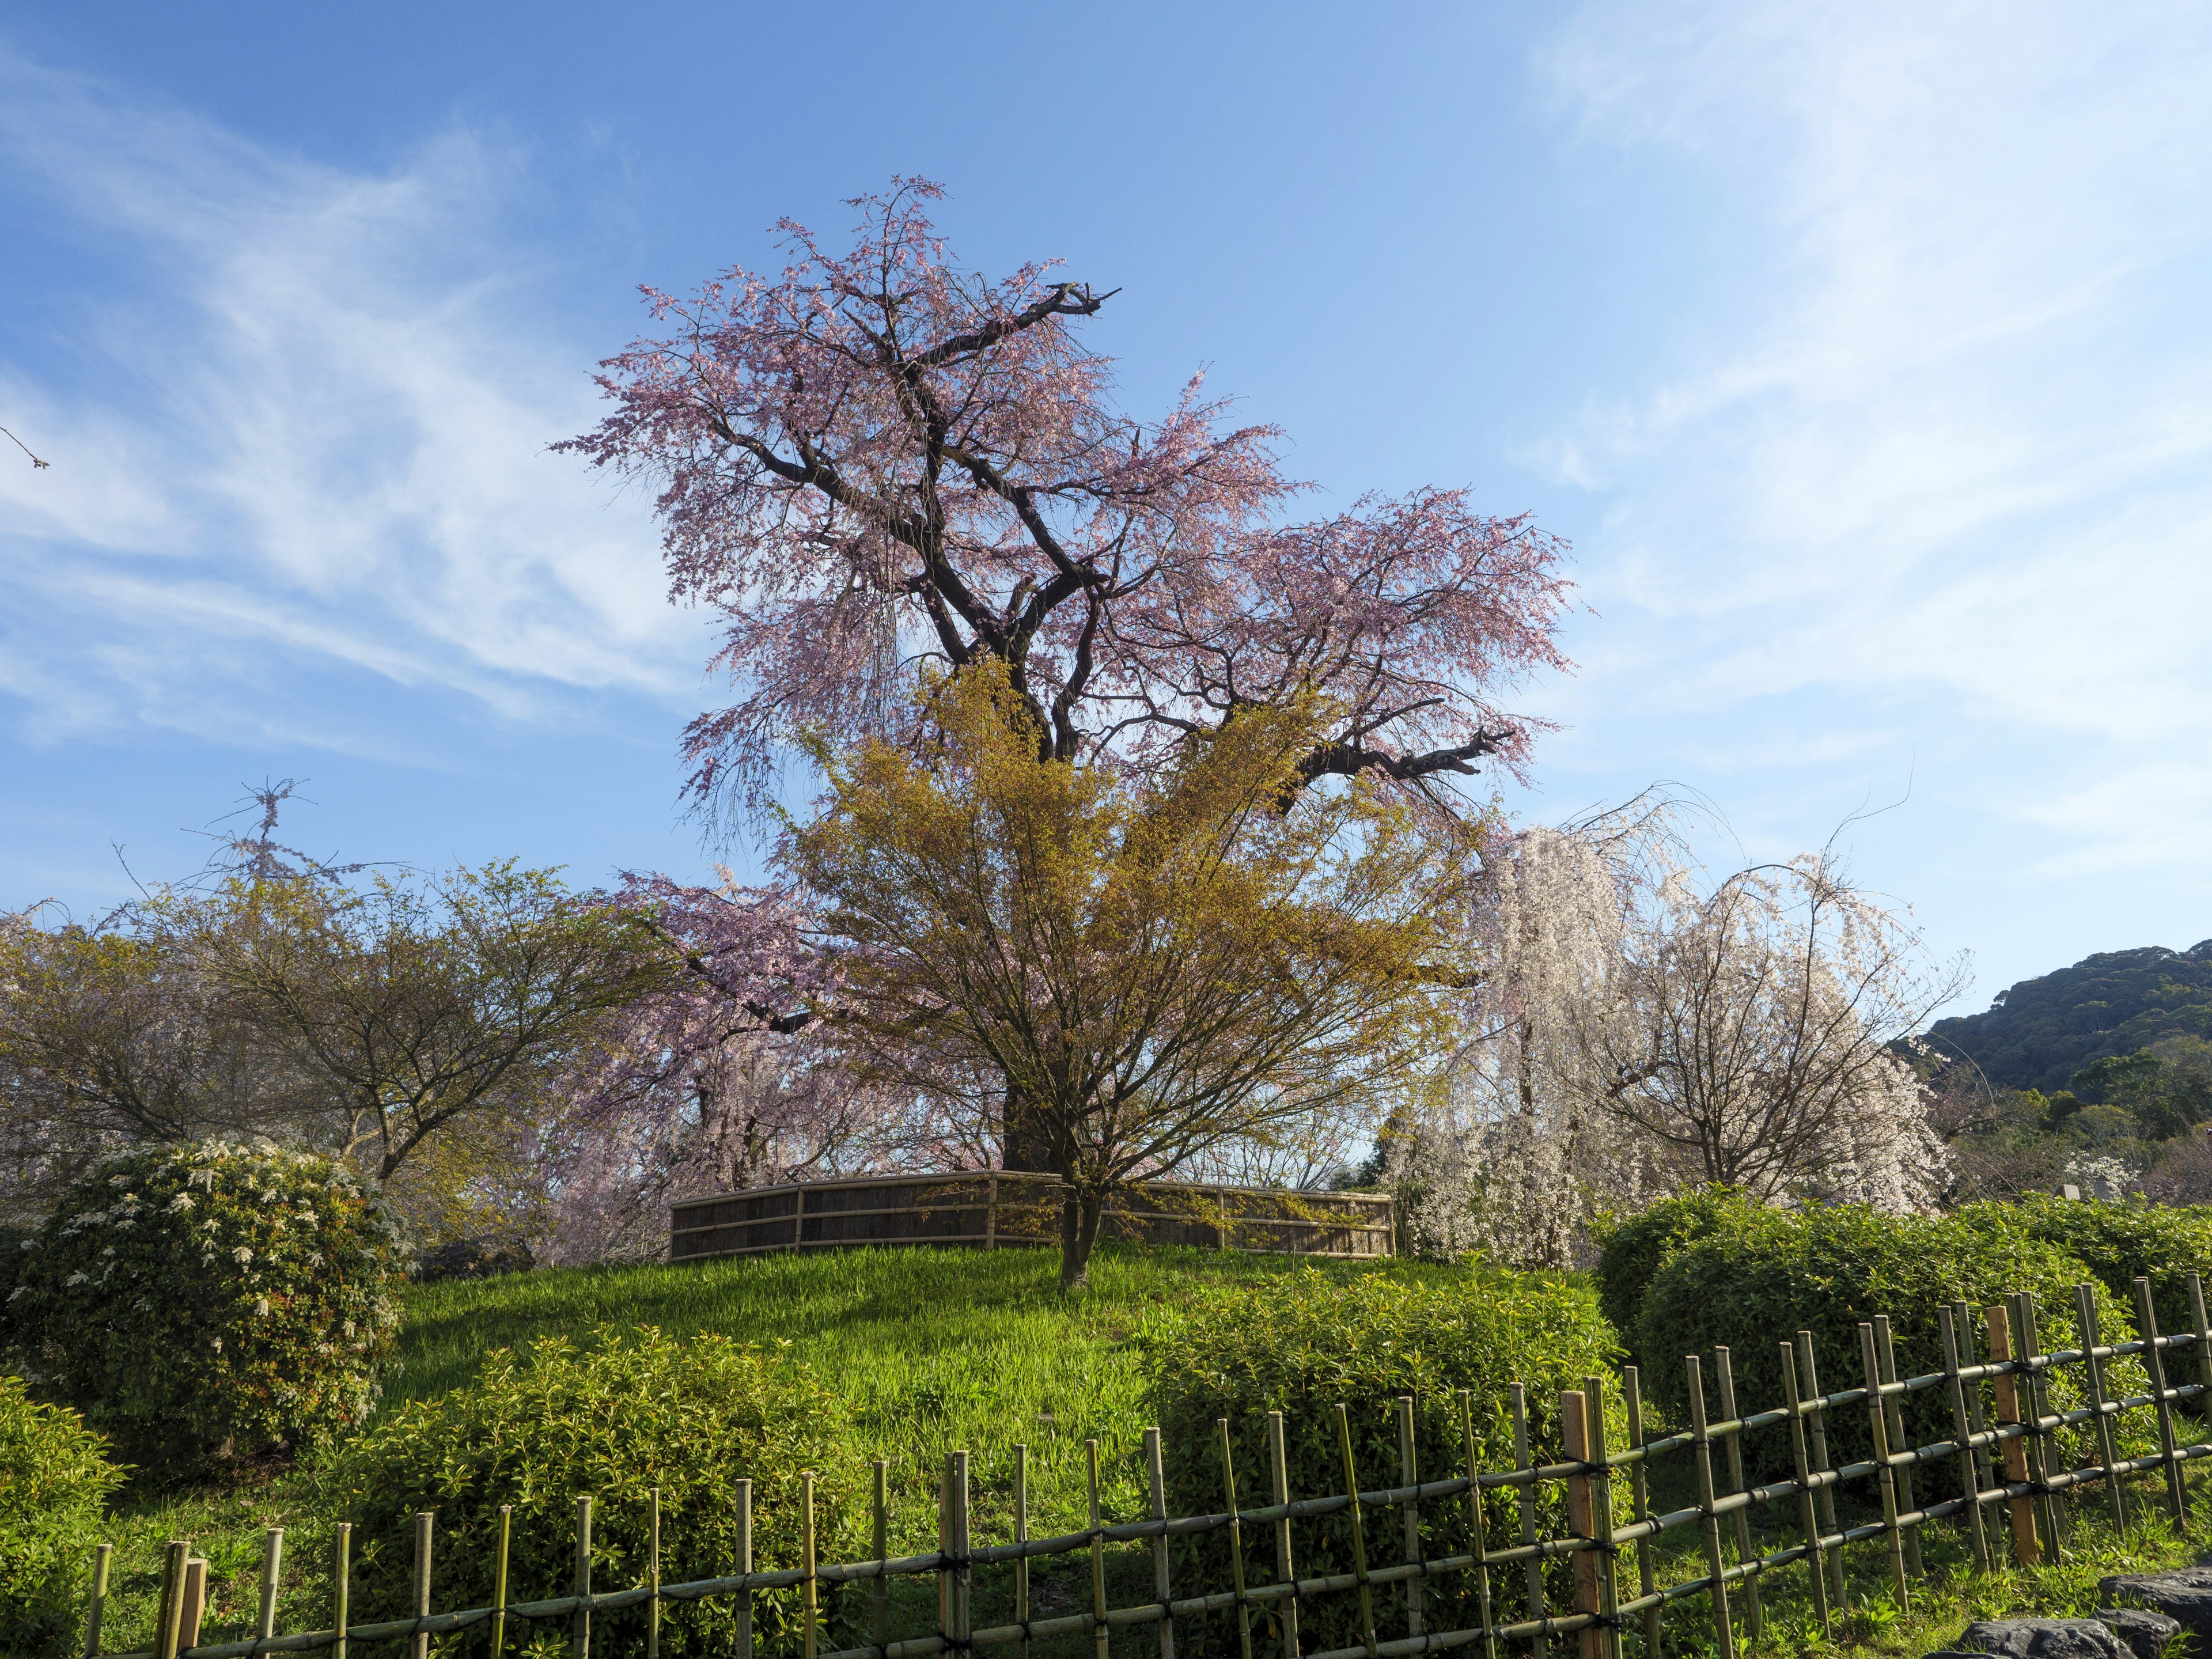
<point>1157,1477</point>
<point>1478,1532</point>
<point>1521,1463</point>
<point>2154,1363</point>
<point>499,1580</point>
<point>653,1576</point>
<point>95,1604</point>
<point>273,1568</point>
<point>2006,1387</point>
<point>1962,1324</point>
<point>1701,1446</point>
<point>1816,1425</point>
<point>418,1645</point>
<point>1358,1531</point>
<point>1970,1487</point>
<point>1022,1536</point>
<point>2027,1344</point>
<point>879,1593</point>
<point>2203,1346</point>
<point>744,1490</point>
<point>1235,1538</point>
<point>1286,1607</point>
<point>1099,1633</point>
<point>1885,1476</point>
<point>945,1549</point>
<point>1608,1599</point>
<point>1809,1516</point>
<point>1582,1520</point>
<point>964,1575</point>
<point>1885,1353</point>
<point>1639,1498</point>
<point>341,1587</point>
<point>579,1642</point>
<point>195,1600</point>
<point>172,1608</point>
<point>2092,1373</point>
<point>1408,1475</point>
<point>1745,1554</point>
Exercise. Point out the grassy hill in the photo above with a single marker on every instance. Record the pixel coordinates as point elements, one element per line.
<point>2038,1033</point>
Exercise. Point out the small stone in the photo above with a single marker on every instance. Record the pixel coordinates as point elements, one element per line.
<point>2043,1638</point>
<point>2145,1633</point>
<point>2186,1596</point>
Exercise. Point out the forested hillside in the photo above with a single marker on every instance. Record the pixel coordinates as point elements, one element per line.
<point>2040,1032</point>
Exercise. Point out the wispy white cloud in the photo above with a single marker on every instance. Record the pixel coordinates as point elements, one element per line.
<point>305,429</point>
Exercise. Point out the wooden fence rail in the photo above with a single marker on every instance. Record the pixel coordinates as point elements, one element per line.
<point>1510,1591</point>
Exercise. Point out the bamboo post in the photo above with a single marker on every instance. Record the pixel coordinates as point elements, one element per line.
<point>1885,1353</point>
<point>1602,1515</point>
<point>2006,1387</point>
<point>1885,1475</point>
<point>499,1580</point>
<point>171,1610</point>
<point>2203,1346</point>
<point>341,1587</point>
<point>103,1558</point>
<point>879,1593</point>
<point>1235,1538</point>
<point>1970,1487</point>
<point>418,1644</point>
<point>1477,1533</point>
<point>963,1577</point>
<point>1809,1516</point>
<point>2154,1363</point>
<point>1519,1402</point>
<point>1581,1521</point>
<point>195,1603</point>
<point>272,1566</point>
<point>2093,1373</point>
<point>1099,1632</point>
<point>1639,1498</point>
<point>1358,1531</point>
<point>1416,1586</point>
<point>1962,1323</point>
<point>744,1490</point>
<point>1021,1536</point>
<point>1286,1607</point>
<point>1816,1426</point>
<point>944,1551</point>
<point>2027,1344</point>
<point>1709,1523</point>
<point>653,1575</point>
<point>990,1233</point>
<point>579,1642</point>
<point>1745,1556</point>
<point>1157,1477</point>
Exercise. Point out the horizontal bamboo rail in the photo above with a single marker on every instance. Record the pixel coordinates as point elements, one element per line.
<point>992,1209</point>
<point>1589,1466</point>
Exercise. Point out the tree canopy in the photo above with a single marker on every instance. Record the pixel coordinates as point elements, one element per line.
<point>2038,1034</point>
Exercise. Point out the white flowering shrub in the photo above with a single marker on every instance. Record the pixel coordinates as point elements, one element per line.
<point>199,1303</point>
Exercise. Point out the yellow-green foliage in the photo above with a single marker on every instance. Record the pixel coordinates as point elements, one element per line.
<point>638,1410</point>
<point>1632,1246</point>
<point>2119,1241</point>
<point>1302,1344</point>
<point>54,1475</point>
<point>210,1301</point>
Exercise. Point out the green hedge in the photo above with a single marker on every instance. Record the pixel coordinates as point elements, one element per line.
<point>54,1480</point>
<point>2120,1242</point>
<point>1305,1343</point>
<point>1767,1274</point>
<point>1632,1248</point>
<point>637,1410</point>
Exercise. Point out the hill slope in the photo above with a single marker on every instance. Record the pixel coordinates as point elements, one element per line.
<point>2041,1032</point>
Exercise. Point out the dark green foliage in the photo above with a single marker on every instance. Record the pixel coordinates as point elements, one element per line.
<point>15,1241</point>
<point>639,1410</point>
<point>1302,1344</point>
<point>1770,1274</point>
<point>2120,1242</point>
<point>54,1480</point>
<point>1631,1248</point>
<point>2043,1030</point>
<point>210,1302</point>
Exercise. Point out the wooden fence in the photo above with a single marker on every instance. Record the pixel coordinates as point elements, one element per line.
<point>1999,1407</point>
<point>988,1209</point>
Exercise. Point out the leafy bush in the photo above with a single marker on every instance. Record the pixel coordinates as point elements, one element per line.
<point>1302,1344</point>
<point>2120,1242</point>
<point>1631,1248</point>
<point>635,1412</point>
<point>15,1241</point>
<point>54,1475</point>
<point>207,1302</point>
<point>1766,1274</point>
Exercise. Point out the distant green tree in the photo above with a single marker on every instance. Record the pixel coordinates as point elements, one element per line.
<point>2039,1032</point>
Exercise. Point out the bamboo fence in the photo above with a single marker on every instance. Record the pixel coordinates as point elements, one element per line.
<point>2000,1456</point>
<point>989,1209</point>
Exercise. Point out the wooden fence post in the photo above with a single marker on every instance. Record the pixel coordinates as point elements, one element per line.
<point>652,1575</point>
<point>2005,1385</point>
<point>2154,1363</point>
<point>2093,1375</point>
<point>1893,1409</point>
<point>1236,1536</point>
<point>499,1580</point>
<point>1518,1400</point>
<point>1581,1521</point>
<point>272,1567</point>
<point>171,1611</point>
<point>1745,1556</point>
<point>1808,1517</point>
<point>1885,1475</point>
<point>743,1492</point>
<point>195,1603</point>
<point>341,1587</point>
<point>2027,1347</point>
<point>1359,1533</point>
<point>1099,1630</point>
<point>419,1644</point>
<point>1701,1446</point>
<point>1022,1536</point>
<point>811,1608</point>
<point>1969,1485</point>
<point>1608,1584</point>
<point>1156,1472</point>
<point>1478,1532</point>
<point>1639,1500</point>
<point>1816,1425</point>
<point>103,1556</point>
<point>1408,1475</point>
<point>579,1639</point>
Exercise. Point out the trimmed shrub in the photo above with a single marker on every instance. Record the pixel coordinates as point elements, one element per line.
<point>637,1410</point>
<point>2119,1241</point>
<point>1305,1343</point>
<point>1769,1273</point>
<point>205,1303</point>
<point>54,1480</point>
<point>1631,1248</point>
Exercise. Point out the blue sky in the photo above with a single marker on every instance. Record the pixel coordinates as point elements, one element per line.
<point>1863,353</point>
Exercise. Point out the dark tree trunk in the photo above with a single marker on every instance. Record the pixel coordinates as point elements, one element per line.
<point>1025,1141</point>
<point>1079,1235</point>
